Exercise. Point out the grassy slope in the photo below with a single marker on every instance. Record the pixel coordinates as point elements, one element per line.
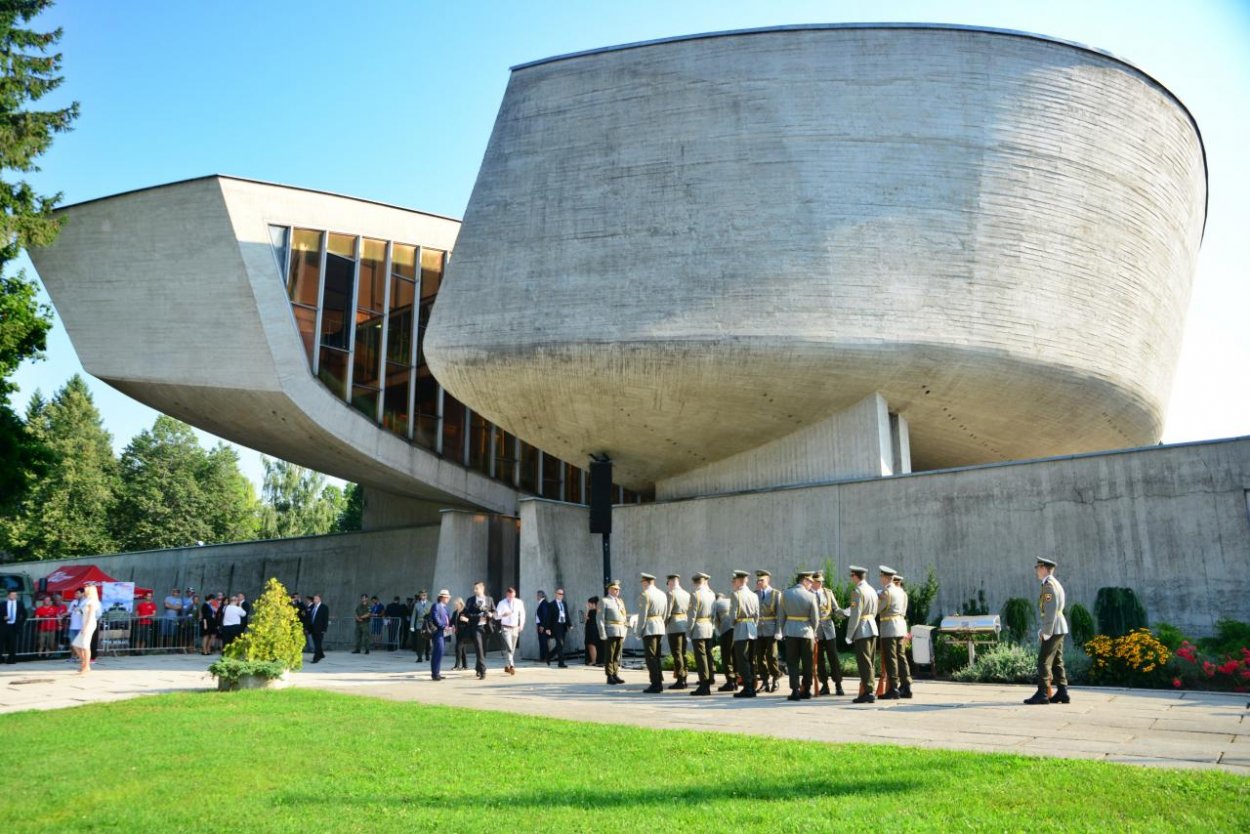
<point>301,760</point>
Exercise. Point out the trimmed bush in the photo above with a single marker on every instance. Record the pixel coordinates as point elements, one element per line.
<point>1004,663</point>
<point>1119,612</point>
<point>920,598</point>
<point>1136,659</point>
<point>274,633</point>
<point>1081,624</point>
<point>1169,635</point>
<point>975,606</point>
<point>1017,616</point>
<point>1231,636</point>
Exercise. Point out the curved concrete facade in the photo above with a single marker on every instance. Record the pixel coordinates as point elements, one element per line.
<point>679,251</point>
<point>173,296</point>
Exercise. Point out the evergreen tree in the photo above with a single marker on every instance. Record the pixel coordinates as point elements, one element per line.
<point>66,512</point>
<point>27,73</point>
<point>230,500</point>
<point>161,498</point>
<point>297,501</point>
<point>350,518</point>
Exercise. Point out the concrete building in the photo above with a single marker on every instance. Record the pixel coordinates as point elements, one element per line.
<point>820,293</point>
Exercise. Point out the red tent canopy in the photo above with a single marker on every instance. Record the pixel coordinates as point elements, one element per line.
<point>69,579</point>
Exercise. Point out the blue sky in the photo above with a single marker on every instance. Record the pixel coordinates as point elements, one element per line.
<point>394,101</point>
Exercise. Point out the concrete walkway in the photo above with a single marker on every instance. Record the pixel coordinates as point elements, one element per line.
<point>1171,729</point>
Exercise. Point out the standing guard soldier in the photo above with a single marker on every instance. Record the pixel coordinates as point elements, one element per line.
<point>676,626</point>
<point>861,631</point>
<point>744,608</point>
<point>363,615</point>
<point>904,668</point>
<point>1053,628</point>
<point>725,637</point>
<point>651,605</point>
<point>892,623</point>
<point>766,635</point>
<point>613,626</point>
<point>702,631</point>
<point>828,665</point>
<point>798,617</point>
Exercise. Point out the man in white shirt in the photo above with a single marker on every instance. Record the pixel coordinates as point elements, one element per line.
<point>510,612</point>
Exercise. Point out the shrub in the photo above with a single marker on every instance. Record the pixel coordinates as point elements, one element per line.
<point>1230,638</point>
<point>1227,672</point>
<point>976,605</point>
<point>1004,663</point>
<point>1169,635</point>
<point>231,669</point>
<point>1081,624</point>
<point>1136,659</point>
<point>1077,664</point>
<point>920,597</point>
<point>949,656</point>
<point>1119,612</point>
<point>274,633</point>
<point>1017,617</point>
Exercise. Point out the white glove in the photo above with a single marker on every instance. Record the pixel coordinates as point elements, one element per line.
<point>1045,636</point>
<point>848,641</point>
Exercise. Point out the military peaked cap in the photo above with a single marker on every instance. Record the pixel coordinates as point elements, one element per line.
<point>646,576</point>
<point>1045,563</point>
<point>888,571</point>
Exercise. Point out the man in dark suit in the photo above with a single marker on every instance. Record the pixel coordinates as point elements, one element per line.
<point>540,617</point>
<point>479,613</point>
<point>12,621</point>
<point>557,619</point>
<point>318,622</point>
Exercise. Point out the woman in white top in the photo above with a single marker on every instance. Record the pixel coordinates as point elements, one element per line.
<point>232,621</point>
<point>90,612</point>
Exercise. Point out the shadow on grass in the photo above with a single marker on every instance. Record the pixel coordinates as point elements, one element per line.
<point>637,799</point>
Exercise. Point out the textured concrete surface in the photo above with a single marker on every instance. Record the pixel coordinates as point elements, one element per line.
<point>679,251</point>
<point>1179,730</point>
<point>1171,522</point>
<point>173,296</point>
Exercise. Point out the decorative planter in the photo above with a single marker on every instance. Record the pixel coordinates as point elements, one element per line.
<point>254,682</point>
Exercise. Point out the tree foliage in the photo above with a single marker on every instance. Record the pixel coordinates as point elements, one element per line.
<point>297,501</point>
<point>352,514</point>
<point>66,512</point>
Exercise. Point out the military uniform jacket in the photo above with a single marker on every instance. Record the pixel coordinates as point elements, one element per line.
<point>825,604</point>
<point>613,621</point>
<point>892,611</point>
<point>862,614</point>
<point>675,619</point>
<point>419,610</point>
<point>798,613</point>
<point>721,615</point>
<point>362,620</point>
<point>699,614</point>
<point>1050,604</point>
<point>769,599</point>
<point>744,609</point>
<point>652,603</point>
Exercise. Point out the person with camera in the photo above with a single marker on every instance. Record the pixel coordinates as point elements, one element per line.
<point>479,615</point>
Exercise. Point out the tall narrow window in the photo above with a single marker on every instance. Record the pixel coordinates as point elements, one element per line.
<point>479,443</point>
<point>505,455</point>
<point>367,349</point>
<point>426,428</point>
<point>396,405</point>
<point>530,476</point>
<point>573,484</point>
<point>303,278</point>
<point>453,429</point>
<point>553,468</point>
<point>336,311</point>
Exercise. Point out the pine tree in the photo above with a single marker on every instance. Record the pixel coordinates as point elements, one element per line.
<point>66,512</point>
<point>159,504</point>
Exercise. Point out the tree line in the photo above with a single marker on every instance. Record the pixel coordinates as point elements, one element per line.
<point>164,490</point>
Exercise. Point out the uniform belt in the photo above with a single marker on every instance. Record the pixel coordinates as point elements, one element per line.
<point>655,616</point>
<point>679,616</point>
<point>892,616</point>
<point>745,620</point>
<point>703,619</point>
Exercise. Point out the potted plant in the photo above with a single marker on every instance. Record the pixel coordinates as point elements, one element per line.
<point>272,646</point>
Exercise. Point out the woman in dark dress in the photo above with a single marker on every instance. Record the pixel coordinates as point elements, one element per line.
<point>208,624</point>
<point>591,631</point>
<point>464,635</point>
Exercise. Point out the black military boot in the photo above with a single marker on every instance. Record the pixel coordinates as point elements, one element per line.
<point>837,689</point>
<point>1061,695</point>
<point>866,698</point>
<point>794,695</point>
<point>891,695</point>
<point>702,689</point>
<point>824,688</point>
<point>727,687</point>
<point>1039,697</point>
<point>905,690</point>
<point>681,684</point>
<point>747,692</point>
<point>617,679</point>
<point>653,689</point>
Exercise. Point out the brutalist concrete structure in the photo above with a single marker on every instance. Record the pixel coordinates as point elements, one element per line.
<point>896,292</point>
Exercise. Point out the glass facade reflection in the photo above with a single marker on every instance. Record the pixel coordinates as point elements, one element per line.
<point>360,306</point>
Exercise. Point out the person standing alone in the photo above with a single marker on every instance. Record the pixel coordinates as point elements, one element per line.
<point>362,616</point>
<point>1053,628</point>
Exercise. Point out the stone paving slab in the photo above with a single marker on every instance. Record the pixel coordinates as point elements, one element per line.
<point>1146,728</point>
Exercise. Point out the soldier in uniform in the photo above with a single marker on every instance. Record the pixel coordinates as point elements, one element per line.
<point>363,615</point>
<point>744,609</point>
<point>829,665</point>
<point>725,636</point>
<point>904,668</point>
<point>861,632</point>
<point>798,617</point>
<point>892,624</point>
<point>766,668</point>
<point>1053,628</point>
<point>702,631</point>
<point>651,606</point>
<point>613,626</point>
<point>676,626</point>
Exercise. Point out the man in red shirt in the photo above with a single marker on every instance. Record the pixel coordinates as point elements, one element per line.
<point>45,626</point>
<point>145,611</point>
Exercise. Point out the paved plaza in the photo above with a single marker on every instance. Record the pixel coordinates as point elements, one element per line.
<point>1146,727</point>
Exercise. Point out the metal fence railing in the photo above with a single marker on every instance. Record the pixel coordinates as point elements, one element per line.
<point>49,637</point>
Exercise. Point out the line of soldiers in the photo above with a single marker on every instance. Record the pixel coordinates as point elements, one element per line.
<point>748,626</point>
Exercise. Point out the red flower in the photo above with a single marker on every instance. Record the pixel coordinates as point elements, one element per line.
<point>1208,668</point>
<point>1245,674</point>
<point>1230,667</point>
<point>1176,682</point>
<point>1187,652</point>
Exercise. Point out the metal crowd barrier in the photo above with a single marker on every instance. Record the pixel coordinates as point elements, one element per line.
<point>49,637</point>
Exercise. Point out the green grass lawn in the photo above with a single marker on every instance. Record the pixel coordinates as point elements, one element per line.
<point>313,762</point>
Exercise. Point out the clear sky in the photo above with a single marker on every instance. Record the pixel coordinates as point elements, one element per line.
<point>393,100</point>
